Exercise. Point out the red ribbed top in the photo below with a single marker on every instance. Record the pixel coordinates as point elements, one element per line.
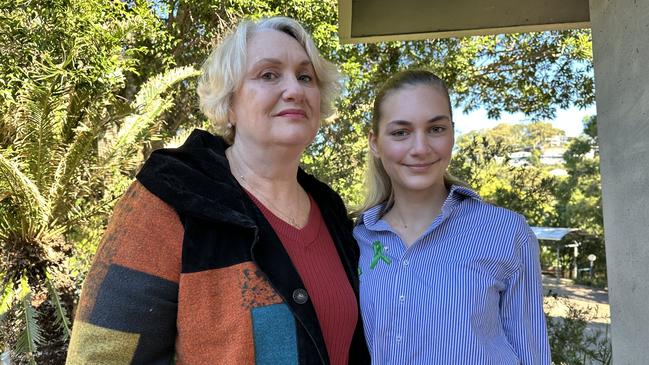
<point>314,255</point>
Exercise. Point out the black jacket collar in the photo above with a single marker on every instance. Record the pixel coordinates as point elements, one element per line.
<point>195,180</point>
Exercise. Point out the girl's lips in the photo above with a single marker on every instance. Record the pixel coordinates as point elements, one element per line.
<point>420,165</point>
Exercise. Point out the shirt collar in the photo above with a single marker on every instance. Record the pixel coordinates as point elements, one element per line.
<point>457,194</point>
<point>371,219</point>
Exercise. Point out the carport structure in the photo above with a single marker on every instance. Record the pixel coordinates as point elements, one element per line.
<point>621,50</point>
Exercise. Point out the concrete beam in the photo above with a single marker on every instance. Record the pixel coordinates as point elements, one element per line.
<point>384,20</point>
<point>620,51</point>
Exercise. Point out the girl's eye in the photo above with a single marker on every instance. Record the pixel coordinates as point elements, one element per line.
<point>437,129</point>
<point>399,133</point>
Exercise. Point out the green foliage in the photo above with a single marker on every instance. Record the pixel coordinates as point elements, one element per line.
<point>581,194</point>
<point>482,159</point>
<point>579,200</point>
<point>31,335</point>
<point>69,145</point>
<point>35,227</point>
<point>59,309</point>
<point>576,339</point>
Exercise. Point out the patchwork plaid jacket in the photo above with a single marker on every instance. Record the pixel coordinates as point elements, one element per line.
<point>189,269</point>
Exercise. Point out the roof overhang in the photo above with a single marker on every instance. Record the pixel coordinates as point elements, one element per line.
<point>388,20</point>
<point>551,233</point>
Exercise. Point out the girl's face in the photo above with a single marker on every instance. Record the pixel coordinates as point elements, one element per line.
<point>415,138</point>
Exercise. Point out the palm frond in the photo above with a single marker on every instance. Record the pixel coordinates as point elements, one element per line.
<point>149,105</point>
<point>102,207</point>
<point>64,186</point>
<point>28,202</point>
<point>6,300</point>
<point>39,118</point>
<point>160,83</point>
<point>179,138</point>
<point>31,336</point>
<point>59,309</point>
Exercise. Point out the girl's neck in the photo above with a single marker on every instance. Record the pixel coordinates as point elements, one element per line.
<point>413,212</point>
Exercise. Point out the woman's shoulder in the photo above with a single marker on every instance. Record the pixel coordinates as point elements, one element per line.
<point>195,179</point>
<point>139,201</point>
<point>144,234</point>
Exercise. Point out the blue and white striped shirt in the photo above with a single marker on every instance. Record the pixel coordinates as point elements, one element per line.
<point>468,291</point>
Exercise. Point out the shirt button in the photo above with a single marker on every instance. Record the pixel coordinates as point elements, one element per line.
<point>402,298</point>
<point>300,296</point>
<point>406,262</point>
<point>398,338</point>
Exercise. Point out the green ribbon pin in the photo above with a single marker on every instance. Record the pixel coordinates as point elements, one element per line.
<point>379,255</point>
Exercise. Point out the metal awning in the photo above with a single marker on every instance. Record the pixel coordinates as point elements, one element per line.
<point>557,234</point>
<point>551,233</point>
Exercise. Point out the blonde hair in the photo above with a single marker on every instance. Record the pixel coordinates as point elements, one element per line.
<point>378,187</point>
<point>224,70</point>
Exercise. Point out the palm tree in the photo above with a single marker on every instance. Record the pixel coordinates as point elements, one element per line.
<point>64,157</point>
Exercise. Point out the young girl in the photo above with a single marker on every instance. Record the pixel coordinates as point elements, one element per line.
<point>445,278</point>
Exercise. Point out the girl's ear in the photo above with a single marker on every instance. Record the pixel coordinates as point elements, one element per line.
<point>372,142</point>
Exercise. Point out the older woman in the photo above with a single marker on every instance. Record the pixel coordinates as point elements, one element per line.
<point>224,251</point>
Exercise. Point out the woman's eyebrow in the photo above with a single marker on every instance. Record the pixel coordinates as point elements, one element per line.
<point>275,61</point>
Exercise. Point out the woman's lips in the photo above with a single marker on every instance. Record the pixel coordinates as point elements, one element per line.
<point>292,113</point>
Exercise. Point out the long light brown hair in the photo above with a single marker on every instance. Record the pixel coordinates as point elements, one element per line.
<point>378,187</point>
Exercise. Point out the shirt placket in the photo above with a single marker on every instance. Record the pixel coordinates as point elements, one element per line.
<point>400,302</point>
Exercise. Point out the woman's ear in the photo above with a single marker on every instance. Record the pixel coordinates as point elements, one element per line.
<point>231,116</point>
<point>372,142</point>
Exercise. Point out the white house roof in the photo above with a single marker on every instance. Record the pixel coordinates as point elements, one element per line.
<point>551,233</point>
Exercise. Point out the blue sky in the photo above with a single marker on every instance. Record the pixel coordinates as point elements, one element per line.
<point>569,120</point>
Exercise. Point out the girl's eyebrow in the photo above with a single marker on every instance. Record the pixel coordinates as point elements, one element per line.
<point>401,122</point>
<point>438,118</point>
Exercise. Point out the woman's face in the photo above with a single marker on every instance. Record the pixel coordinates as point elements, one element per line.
<point>278,102</point>
<point>415,138</point>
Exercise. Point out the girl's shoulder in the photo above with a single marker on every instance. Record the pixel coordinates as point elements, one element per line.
<point>491,216</point>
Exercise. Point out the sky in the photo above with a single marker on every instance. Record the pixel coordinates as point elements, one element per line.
<point>567,119</point>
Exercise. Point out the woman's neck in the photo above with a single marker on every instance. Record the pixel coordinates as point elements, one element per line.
<point>269,171</point>
<point>273,182</point>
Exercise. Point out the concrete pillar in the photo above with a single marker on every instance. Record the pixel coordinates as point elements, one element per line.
<point>621,50</point>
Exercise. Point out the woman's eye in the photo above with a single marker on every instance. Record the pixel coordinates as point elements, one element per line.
<point>305,78</point>
<point>268,76</point>
<point>437,129</point>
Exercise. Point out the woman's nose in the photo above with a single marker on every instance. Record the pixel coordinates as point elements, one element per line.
<point>293,89</point>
